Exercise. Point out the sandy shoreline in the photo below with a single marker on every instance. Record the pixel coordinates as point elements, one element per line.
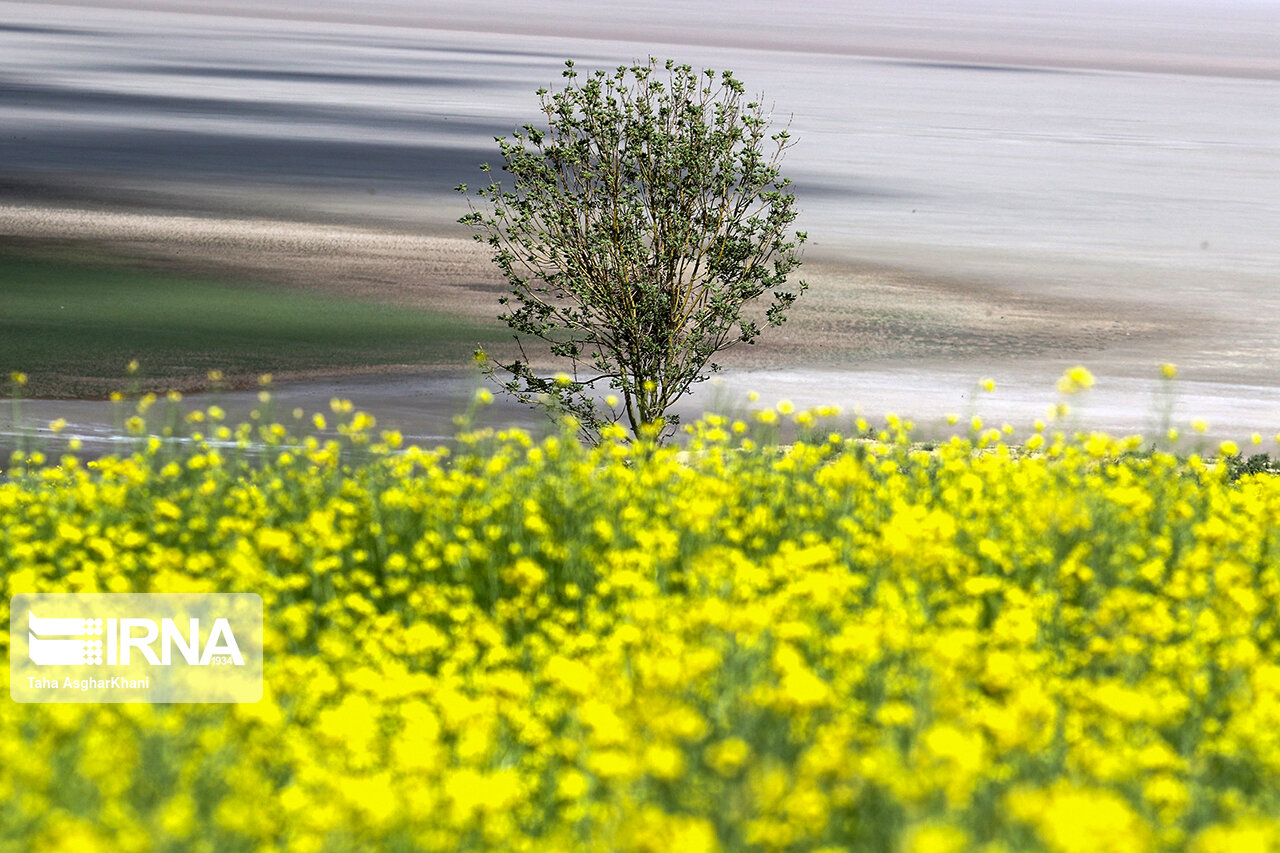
<point>870,338</point>
<point>854,314</point>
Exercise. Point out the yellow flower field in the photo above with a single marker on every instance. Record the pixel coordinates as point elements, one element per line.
<point>837,645</point>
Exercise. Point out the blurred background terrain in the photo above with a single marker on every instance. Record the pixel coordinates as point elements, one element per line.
<point>990,188</point>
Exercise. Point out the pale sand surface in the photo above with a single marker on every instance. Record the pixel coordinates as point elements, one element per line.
<point>423,405</point>
<point>389,266</point>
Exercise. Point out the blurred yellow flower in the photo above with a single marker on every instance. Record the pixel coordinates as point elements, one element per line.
<point>1075,380</point>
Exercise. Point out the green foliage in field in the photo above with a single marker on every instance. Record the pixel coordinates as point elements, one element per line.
<point>644,218</point>
<point>841,645</point>
<point>74,326</point>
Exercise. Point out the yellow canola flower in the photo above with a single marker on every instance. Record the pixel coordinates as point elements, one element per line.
<point>937,839</point>
<point>522,644</point>
<point>1075,380</point>
<point>728,757</point>
<point>1074,820</point>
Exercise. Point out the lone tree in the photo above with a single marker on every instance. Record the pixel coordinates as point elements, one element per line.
<point>642,221</point>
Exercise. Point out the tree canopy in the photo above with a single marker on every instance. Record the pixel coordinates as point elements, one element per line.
<point>642,221</point>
